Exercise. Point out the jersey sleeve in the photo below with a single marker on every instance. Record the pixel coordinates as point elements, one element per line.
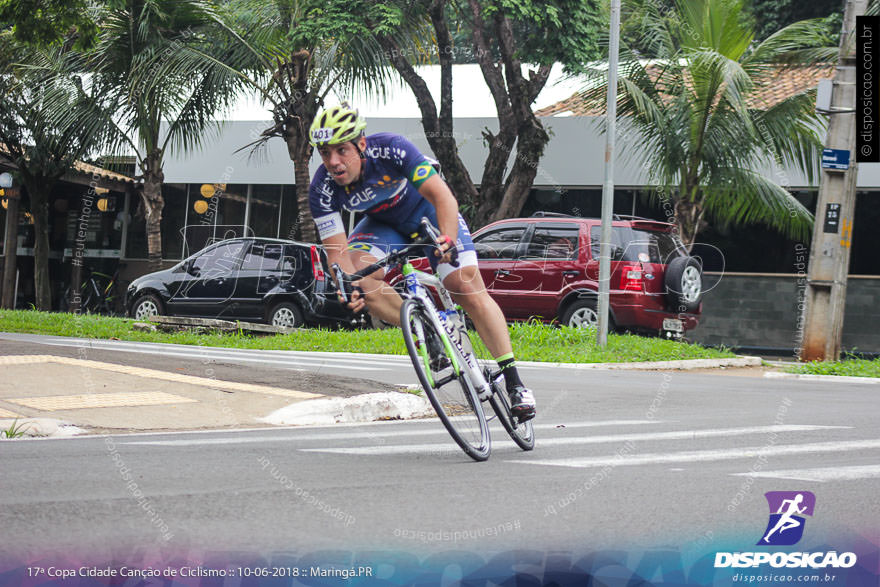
<point>415,166</point>
<point>324,207</point>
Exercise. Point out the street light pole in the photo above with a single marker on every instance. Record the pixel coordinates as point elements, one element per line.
<point>608,186</point>
<point>832,232</point>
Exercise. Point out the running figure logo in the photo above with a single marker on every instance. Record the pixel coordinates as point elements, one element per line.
<point>787,508</point>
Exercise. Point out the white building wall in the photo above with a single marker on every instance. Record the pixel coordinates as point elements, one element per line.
<point>573,158</point>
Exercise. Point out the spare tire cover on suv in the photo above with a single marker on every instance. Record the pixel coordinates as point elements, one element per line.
<point>684,284</point>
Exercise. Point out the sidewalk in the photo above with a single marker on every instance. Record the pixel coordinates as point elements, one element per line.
<point>108,397</point>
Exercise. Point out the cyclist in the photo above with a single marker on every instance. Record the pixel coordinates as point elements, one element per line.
<point>385,177</point>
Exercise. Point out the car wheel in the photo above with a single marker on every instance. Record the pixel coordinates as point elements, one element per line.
<point>145,306</point>
<point>286,315</point>
<point>582,313</point>
<point>684,284</point>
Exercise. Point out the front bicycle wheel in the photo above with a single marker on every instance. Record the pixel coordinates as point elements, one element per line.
<point>452,396</point>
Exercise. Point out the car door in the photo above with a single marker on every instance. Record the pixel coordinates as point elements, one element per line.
<point>548,263</point>
<point>497,251</point>
<point>213,278</point>
<point>260,272</point>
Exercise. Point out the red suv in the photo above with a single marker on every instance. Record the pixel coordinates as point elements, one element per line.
<point>547,267</point>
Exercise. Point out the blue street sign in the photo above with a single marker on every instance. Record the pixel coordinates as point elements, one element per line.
<point>835,159</point>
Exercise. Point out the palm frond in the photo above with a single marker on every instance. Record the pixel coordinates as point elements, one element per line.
<point>739,196</point>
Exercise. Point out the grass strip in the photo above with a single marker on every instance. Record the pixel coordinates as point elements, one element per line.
<point>850,367</point>
<point>531,341</point>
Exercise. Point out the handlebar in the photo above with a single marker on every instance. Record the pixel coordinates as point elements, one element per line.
<point>429,235</point>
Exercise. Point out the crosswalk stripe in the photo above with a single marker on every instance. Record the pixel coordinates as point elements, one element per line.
<point>627,460</point>
<point>601,439</point>
<point>216,353</point>
<point>245,359</point>
<point>820,475</point>
<point>435,430</point>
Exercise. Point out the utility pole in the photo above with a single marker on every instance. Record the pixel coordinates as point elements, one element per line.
<point>608,186</point>
<point>832,233</point>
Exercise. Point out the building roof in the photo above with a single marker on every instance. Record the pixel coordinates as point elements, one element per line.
<point>782,84</point>
<point>471,97</point>
<point>99,172</point>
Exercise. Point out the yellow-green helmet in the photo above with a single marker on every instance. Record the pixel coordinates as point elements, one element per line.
<point>336,125</point>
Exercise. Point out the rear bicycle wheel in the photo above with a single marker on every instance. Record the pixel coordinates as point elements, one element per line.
<point>452,396</point>
<point>522,433</point>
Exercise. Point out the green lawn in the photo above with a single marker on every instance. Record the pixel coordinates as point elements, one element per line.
<point>850,367</point>
<point>531,342</point>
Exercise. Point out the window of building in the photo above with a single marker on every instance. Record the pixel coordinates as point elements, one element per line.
<point>264,212</point>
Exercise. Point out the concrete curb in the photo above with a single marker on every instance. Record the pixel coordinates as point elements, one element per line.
<point>361,408</point>
<point>739,361</point>
<point>41,427</point>
<point>825,378</point>
<point>654,365</point>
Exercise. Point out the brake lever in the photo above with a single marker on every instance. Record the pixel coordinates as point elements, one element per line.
<point>342,282</point>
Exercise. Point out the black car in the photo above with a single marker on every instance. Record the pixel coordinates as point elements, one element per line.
<point>281,282</point>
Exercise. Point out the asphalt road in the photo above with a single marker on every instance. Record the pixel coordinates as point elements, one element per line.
<point>623,460</point>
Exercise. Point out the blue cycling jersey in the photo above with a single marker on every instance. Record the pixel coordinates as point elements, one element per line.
<point>387,190</point>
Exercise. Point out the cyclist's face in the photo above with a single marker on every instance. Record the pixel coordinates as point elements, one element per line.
<point>343,162</point>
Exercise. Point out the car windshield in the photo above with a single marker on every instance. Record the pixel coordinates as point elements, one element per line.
<point>647,246</point>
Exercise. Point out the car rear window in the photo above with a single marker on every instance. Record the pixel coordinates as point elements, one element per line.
<point>647,246</point>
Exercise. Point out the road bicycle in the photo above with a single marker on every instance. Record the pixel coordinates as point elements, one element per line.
<point>99,293</point>
<point>456,378</point>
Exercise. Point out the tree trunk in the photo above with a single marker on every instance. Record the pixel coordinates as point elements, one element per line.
<point>38,191</point>
<point>529,150</point>
<point>10,249</point>
<point>305,225</point>
<point>439,130</point>
<point>151,195</point>
<point>513,95</point>
<point>688,215</point>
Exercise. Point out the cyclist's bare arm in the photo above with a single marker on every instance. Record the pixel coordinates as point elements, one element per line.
<point>337,252</point>
<point>440,196</point>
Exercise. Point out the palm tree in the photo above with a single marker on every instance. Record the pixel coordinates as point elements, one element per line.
<point>148,107</point>
<point>703,131</point>
<point>41,151</point>
<point>289,56</point>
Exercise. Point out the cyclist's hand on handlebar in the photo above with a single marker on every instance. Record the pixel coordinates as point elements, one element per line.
<point>357,301</point>
<point>446,250</point>
<point>349,293</point>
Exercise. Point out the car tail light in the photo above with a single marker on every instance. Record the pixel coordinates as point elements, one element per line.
<point>631,278</point>
<point>317,270</point>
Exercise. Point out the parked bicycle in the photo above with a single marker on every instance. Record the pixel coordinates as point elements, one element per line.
<point>99,293</point>
<point>456,380</point>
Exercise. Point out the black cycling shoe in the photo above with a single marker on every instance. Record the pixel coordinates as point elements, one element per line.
<point>437,353</point>
<point>522,403</point>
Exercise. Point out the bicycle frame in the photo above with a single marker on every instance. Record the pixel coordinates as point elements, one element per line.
<point>417,284</point>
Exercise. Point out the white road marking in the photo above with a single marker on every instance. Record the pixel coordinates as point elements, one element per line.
<point>207,353</point>
<point>821,475</point>
<point>436,430</point>
<point>708,455</point>
<point>575,440</point>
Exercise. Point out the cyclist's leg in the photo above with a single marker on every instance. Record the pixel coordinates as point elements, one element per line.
<point>369,242</point>
<point>467,288</point>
